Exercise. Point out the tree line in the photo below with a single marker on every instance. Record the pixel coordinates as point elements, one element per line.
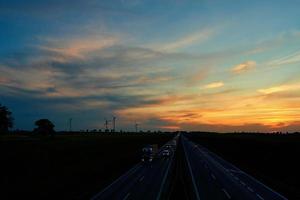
<point>44,126</point>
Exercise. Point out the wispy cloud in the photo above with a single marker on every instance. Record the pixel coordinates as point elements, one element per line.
<point>214,85</point>
<point>243,67</point>
<point>78,47</point>
<point>187,40</point>
<point>85,73</point>
<point>288,59</point>
<point>196,77</point>
<point>280,88</point>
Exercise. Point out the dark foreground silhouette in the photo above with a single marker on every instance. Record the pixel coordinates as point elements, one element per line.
<point>76,166</point>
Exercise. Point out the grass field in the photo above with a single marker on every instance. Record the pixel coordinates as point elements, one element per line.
<point>67,167</point>
<point>272,159</point>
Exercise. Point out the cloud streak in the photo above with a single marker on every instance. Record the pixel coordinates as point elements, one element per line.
<point>214,85</point>
<point>285,60</point>
<point>280,88</point>
<point>243,67</point>
<point>78,48</point>
<point>187,40</point>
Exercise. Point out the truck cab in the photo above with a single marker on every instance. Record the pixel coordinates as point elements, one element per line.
<point>148,153</point>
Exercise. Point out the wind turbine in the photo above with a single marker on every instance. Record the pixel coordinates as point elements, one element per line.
<point>114,124</point>
<point>106,125</point>
<point>136,127</point>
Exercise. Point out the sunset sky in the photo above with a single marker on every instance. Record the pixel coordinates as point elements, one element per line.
<point>209,65</point>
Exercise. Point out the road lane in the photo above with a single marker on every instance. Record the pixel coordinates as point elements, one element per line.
<point>144,181</point>
<point>215,175</point>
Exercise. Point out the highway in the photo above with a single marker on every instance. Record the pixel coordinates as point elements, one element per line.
<point>143,181</point>
<point>213,178</point>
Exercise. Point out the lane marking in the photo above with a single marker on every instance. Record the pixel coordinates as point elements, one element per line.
<point>190,169</point>
<point>165,176</point>
<point>124,176</point>
<point>259,196</point>
<point>249,188</point>
<point>226,193</point>
<point>126,196</point>
<point>213,176</point>
<point>217,160</point>
<point>142,178</point>
<point>235,171</point>
<point>244,184</point>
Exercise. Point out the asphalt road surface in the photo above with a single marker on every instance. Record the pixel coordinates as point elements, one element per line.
<point>207,177</point>
<point>144,181</point>
<point>214,178</point>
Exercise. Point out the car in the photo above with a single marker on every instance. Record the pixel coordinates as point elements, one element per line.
<point>147,158</point>
<point>147,154</point>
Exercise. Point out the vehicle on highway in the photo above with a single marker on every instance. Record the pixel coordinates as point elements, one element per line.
<point>148,153</point>
<point>166,153</point>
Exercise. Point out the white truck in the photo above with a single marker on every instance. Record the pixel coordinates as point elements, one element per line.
<point>149,152</point>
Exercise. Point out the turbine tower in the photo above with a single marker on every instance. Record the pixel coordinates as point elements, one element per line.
<point>114,124</point>
<point>136,127</point>
<point>106,125</point>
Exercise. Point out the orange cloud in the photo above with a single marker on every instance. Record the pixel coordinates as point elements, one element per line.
<point>243,67</point>
<point>230,110</point>
<point>77,48</point>
<point>280,88</point>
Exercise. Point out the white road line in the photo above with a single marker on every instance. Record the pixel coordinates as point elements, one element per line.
<point>191,172</point>
<point>142,178</point>
<point>242,172</point>
<point>235,171</point>
<point>228,196</point>
<point>215,159</point>
<point>249,188</point>
<point>128,173</point>
<point>126,196</point>
<point>259,196</point>
<point>165,177</point>
<point>213,176</point>
<point>242,183</point>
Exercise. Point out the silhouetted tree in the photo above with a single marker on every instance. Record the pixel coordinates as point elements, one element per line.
<point>6,119</point>
<point>44,127</point>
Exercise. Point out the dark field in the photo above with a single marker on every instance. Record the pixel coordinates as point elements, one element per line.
<point>272,159</point>
<point>67,167</point>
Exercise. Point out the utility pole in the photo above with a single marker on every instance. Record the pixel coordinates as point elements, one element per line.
<point>106,125</point>
<point>114,124</point>
<point>70,125</point>
<point>136,127</point>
